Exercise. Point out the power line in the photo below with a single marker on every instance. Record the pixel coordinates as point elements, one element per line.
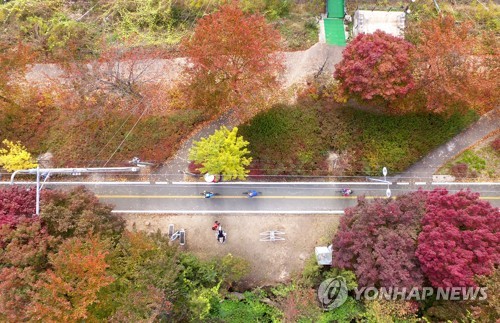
<point>128,133</point>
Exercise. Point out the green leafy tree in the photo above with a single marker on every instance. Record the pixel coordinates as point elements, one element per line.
<point>204,301</point>
<point>232,269</point>
<point>222,153</point>
<point>145,269</point>
<point>15,157</point>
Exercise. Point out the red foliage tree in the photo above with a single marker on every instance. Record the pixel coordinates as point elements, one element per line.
<point>453,68</point>
<point>375,66</point>
<point>16,203</point>
<point>233,56</point>
<point>377,240</point>
<point>460,238</point>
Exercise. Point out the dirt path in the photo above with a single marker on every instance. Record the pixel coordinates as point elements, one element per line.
<point>270,262</point>
<point>298,66</point>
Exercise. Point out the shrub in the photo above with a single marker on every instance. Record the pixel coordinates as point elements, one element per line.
<point>495,144</point>
<point>251,309</point>
<point>296,139</point>
<point>473,161</point>
<point>460,170</point>
<point>16,203</point>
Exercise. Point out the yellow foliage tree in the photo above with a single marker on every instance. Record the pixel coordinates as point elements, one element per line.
<point>15,157</point>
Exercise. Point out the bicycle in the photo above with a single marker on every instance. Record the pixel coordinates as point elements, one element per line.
<point>346,192</point>
<point>208,195</point>
<point>251,193</point>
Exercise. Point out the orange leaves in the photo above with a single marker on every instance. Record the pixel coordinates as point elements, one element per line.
<point>453,69</point>
<point>233,56</point>
<point>64,293</point>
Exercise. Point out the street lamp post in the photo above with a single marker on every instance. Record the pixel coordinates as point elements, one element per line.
<point>388,192</point>
<point>37,190</point>
<point>49,171</point>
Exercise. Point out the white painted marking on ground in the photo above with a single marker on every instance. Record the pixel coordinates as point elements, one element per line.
<point>420,183</point>
<point>276,183</point>
<point>223,212</point>
<point>77,183</point>
<point>468,184</point>
<point>403,183</point>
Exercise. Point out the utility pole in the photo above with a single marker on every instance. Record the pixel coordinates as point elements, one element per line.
<point>72,171</point>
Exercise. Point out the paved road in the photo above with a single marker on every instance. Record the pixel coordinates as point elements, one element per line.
<point>295,198</point>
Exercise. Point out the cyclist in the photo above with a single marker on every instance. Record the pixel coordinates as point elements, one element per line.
<point>252,193</point>
<point>346,191</point>
<point>208,194</point>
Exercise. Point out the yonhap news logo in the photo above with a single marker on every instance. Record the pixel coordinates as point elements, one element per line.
<point>421,293</point>
<point>332,292</point>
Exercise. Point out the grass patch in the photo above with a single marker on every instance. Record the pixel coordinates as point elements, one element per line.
<point>482,162</point>
<point>285,140</point>
<point>297,139</point>
<point>299,31</point>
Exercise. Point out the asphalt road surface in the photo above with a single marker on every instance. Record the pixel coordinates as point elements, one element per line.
<point>293,198</point>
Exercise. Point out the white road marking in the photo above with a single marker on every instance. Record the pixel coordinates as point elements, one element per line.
<point>276,183</point>
<point>224,212</point>
<point>471,184</point>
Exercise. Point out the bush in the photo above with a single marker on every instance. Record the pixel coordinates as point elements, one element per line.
<point>460,170</point>
<point>284,140</point>
<point>251,309</point>
<point>474,162</point>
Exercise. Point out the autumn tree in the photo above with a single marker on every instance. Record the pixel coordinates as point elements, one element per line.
<point>376,66</point>
<point>15,157</point>
<point>26,245</point>
<point>459,239</point>
<point>79,271</point>
<point>16,203</point>
<point>145,268</point>
<point>78,213</point>
<point>377,240</point>
<point>15,293</point>
<point>232,56</point>
<point>453,67</point>
<point>491,310</point>
<point>222,153</point>
<point>24,250</point>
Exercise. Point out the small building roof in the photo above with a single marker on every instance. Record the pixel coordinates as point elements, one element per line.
<point>323,255</point>
<point>368,21</point>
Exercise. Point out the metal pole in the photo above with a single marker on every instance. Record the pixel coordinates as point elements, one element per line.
<point>37,190</point>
